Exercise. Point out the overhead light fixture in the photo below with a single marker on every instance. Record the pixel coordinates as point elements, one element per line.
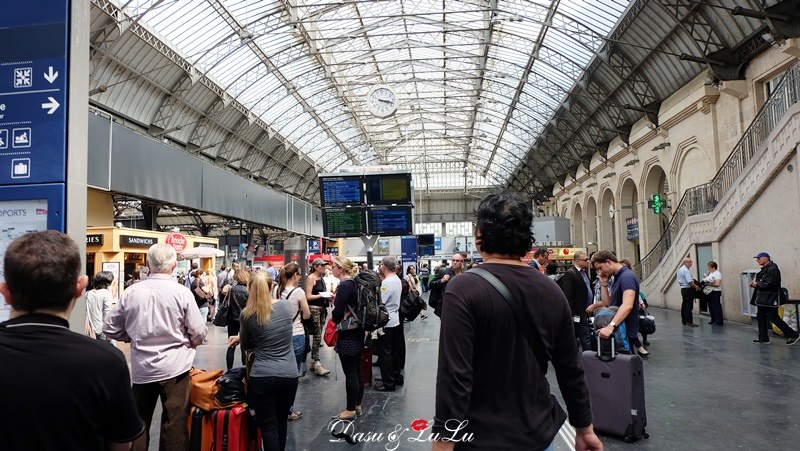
<point>98,90</point>
<point>591,185</point>
<point>609,175</point>
<point>632,162</point>
<point>660,146</point>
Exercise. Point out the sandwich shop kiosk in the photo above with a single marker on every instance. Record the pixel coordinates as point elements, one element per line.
<point>123,251</point>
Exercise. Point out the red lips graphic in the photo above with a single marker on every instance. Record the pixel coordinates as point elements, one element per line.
<point>419,424</point>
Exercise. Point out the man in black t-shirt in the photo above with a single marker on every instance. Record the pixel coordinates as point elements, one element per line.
<point>490,391</point>
<point>59,389</point>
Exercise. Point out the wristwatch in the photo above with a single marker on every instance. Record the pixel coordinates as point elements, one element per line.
<point>613,324</point>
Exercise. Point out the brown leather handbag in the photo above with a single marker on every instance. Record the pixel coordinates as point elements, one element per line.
<point>203,388</point>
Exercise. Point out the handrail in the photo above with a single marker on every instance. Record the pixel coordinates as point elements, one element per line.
<point>704,198</point>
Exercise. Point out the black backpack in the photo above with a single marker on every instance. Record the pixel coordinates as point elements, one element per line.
<point>411,305</point>
<point>370,311</point>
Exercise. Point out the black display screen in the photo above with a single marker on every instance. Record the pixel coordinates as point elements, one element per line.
<point>425,240</point>
<point>388,189</point>
<point>341,191</point>
<point>390,221</point>
<point>343,222</point>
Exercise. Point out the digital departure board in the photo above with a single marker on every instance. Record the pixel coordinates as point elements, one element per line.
<point>388,188</point>
<point>390,221</point>
<point>341,191</point>
<point>343,222</point>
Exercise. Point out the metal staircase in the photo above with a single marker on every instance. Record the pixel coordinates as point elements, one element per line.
<point>704,198</point>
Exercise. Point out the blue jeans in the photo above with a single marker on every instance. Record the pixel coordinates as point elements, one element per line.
<point>299,344</point>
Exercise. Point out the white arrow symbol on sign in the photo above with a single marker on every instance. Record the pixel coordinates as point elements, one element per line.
<point>52,105</point>
<point>51,76</point>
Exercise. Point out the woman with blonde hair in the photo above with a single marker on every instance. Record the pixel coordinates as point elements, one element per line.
<point>351,342</point>
<point>266,328</point>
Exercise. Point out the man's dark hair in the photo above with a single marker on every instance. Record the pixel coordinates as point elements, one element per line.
<point>42,270</point>
<point>551,269</point>
<point>504,221</point>
<point>603,257</point>
<point>102,280</point>
<point>713,264</point>
<point>540,252</point>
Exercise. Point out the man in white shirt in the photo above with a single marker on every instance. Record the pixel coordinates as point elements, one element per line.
<point>161,320</point>
<point>688,290</point>
<point>391,344</point>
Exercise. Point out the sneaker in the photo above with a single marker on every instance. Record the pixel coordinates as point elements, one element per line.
<point>296,415</point>
<point>320,370</point>
<point>763,342</point>
<point>792,341</point>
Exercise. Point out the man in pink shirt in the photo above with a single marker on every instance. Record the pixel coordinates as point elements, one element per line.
<point>160,319</point>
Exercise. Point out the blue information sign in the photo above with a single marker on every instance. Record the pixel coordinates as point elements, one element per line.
<point>33,92</point>
<point>408,248</point>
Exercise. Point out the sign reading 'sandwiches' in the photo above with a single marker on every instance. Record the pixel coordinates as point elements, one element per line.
<point>137,241</point>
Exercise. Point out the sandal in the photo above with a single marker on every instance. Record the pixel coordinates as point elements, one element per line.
<point>345,416</point>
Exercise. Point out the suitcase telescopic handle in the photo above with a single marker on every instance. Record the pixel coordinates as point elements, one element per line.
<point>613,350</point>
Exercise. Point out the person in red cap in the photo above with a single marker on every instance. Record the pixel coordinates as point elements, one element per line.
<point>767,286</point>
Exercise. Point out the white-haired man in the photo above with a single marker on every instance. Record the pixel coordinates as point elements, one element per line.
<point>162,322</point>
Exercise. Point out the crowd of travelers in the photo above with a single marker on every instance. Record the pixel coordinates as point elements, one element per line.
<point>277,319</point>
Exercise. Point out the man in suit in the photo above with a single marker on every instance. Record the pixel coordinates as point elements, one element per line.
<point>578,291</point>
<point>540,259</point>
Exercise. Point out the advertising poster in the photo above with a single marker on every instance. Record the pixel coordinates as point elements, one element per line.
<point>18,217</point>
<point>382,246</point>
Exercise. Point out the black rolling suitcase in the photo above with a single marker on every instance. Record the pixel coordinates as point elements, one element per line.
<point>616,391</point>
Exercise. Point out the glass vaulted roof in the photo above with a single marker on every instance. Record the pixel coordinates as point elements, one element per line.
<point>476,81</point>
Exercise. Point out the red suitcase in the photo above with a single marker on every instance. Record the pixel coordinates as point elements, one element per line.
<point>234,430</point>
<point>366,365</point>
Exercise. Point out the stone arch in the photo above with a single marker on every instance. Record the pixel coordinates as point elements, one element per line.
<point>628,208</point>
<point>591,222</point>
<point>608,230</point>
<point>693,166</point>
<point>577,224</point>
<point>655,182</point>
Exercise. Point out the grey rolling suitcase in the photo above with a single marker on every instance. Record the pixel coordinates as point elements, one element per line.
<point>616,391</point>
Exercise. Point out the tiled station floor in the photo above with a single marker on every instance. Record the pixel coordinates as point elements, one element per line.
<point>708,388</point>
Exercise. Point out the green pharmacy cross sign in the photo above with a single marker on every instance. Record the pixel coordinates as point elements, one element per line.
<point>657,203</point>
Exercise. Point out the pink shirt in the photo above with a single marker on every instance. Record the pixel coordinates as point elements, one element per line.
<point>160,319</point>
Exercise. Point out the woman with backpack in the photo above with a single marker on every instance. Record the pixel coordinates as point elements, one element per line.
<point>351,342</point>
<point>288,289</point>
<point>237,299</point>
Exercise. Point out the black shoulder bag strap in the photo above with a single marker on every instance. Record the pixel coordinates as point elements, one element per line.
<point>520,317</point>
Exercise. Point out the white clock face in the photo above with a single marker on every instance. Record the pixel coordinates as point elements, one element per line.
<point>382,101</point>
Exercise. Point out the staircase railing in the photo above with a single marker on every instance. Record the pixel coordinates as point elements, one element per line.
<point>704,198</point>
